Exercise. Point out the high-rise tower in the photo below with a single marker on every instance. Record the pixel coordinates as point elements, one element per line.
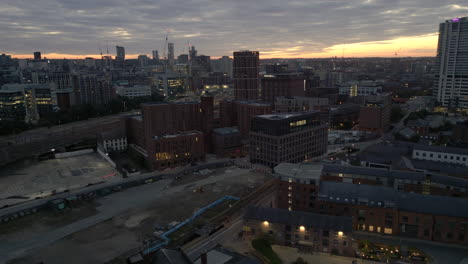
<point>451,88</point>
<point>170,51</point>
<point>246,75</point>
<point>120,53</point>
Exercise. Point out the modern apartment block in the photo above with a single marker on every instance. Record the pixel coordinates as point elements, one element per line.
<point>293,137</point>
<point>246,67</point>
<point>451,88</point>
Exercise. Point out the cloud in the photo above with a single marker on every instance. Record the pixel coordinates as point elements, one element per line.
<point>216,27</point>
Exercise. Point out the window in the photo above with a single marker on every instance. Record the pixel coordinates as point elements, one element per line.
<point>378,229</point>
<point>426,232</point>
<point>405,219</point>
<point>325,242</point>
<point>326,233</point>
<point>371,228</point>
<point>388,231</point>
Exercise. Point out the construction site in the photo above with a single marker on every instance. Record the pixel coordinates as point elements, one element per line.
<point>137,220</point>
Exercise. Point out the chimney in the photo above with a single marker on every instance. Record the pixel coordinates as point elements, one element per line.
<point>203,257</point>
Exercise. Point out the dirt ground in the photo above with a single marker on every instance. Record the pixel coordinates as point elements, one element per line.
<point>30,179</point>
<point>111,241</point>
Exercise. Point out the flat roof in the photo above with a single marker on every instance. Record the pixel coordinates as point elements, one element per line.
<point>443,149</point>
<point>340,192</point>
<point>226,130</point>
<point>285,115</point>
<point>303,171</point>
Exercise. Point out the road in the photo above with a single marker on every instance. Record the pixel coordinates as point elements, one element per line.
<point>111,206</point>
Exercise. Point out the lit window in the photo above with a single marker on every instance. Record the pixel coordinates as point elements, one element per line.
<point>388,231</point>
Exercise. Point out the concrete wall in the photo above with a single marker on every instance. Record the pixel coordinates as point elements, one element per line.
<point>72,153</point>
<point>112,163</point>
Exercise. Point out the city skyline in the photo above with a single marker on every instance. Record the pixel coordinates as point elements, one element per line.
<point>298,30</point>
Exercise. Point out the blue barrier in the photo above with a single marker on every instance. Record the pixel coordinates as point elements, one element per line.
<point>188,220</point>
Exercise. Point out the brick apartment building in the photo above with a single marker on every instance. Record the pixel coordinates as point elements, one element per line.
<point>246,67</point>
<point>377,202</point>
<point>239,114</point>
<point>306,231</point>
<point>226,141</point>
<point>292,137</point>
<point>282,84</point>
<point>374,115</point>
<point>168,135</point>
<point>288,104</point>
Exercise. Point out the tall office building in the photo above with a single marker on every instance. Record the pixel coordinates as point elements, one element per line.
<point>452,63</point>
<point>192,53</point>
<point>142,60</point>
<point>246,75</point>
<point>37,55</point>
<point>155,55</point>
<point>170,51</point>
<point>120,53</point>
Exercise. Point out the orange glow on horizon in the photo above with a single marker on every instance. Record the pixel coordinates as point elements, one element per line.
<point>417,46</point>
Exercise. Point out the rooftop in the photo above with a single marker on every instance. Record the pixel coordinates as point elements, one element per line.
<point>303,171</point>
<point>443,149</point>
<point>226,130</point>
<point>380,196</point>
<point>285,116</point>
<point>296,218</point>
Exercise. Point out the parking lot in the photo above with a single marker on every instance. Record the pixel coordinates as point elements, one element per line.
<point>28,179</point>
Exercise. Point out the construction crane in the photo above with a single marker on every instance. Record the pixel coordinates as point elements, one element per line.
<point>398,51</point>
<point>165,44</point>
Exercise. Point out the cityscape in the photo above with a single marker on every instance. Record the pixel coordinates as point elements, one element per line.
<point>283,155</point>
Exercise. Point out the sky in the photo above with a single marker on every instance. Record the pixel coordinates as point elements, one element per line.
<point>277,28</point>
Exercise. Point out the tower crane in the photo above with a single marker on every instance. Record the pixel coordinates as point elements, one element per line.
<point>398,51</point>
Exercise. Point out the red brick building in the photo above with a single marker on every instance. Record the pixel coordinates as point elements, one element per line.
<point>306,231</point>
<point>226,141</point>
<point>246,67</point>
<point>376,200</point>
<point>282,84</point>
<point>168,135</point>
<point>374,115</point>
<point>239,114</point>
<point>246,110</point>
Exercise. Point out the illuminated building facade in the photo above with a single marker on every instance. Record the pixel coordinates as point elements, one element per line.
<point>293,138</point>
<point>451,69</point>
<point>26,102</point>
